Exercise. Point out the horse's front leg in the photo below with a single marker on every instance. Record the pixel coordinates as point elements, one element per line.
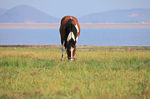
<point>63,48</point>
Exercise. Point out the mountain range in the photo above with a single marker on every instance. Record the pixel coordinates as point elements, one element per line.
<point>28,14</point>
<point>118,16</point>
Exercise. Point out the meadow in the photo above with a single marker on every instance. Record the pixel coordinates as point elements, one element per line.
<point>97,73</point>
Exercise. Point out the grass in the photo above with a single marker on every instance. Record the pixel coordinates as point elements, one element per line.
<point>98,72</point>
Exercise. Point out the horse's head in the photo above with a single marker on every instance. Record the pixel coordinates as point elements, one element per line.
<point>71,48</point>
<point>71,33</point>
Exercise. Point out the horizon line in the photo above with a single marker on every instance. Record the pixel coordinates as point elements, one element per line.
<point>83,25</point>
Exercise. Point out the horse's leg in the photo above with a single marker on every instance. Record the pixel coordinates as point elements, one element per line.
<point>63,48</point>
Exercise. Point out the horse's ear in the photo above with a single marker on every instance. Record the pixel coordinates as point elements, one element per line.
<point>71,36</point>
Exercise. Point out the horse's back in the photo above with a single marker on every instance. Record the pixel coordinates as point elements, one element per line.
<point>64,20</point>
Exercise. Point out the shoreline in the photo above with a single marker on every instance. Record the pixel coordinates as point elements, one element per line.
<point>84,47</point>
<point>82,25</point>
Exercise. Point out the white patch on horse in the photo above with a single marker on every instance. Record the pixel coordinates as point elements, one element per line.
<point>77,27</point>
<point>71,35</point>
<point>72,53</point>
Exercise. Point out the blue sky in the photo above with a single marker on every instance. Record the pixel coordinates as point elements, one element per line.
<point>60,8</point>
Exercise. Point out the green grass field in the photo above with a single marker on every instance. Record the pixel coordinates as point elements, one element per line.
<point>98,73</point>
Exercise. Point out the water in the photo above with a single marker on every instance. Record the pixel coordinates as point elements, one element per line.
<point>96,37</point>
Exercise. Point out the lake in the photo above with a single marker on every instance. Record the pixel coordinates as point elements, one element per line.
<point>94,37</point>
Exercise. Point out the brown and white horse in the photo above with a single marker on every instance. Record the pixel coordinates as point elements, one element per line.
<point>69,32</point>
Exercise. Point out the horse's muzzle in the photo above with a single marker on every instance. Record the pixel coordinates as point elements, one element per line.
<point>71,59</point>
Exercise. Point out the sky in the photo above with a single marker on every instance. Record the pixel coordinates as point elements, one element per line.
<point>60,8</point>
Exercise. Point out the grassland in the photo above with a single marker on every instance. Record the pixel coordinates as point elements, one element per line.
<point>98,73</point>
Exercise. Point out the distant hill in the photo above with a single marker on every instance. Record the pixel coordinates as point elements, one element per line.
<point>118,16</point>
<point>26,14</point>
<point>2,11</point>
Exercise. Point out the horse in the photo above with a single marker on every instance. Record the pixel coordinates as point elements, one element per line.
<point>69,33</point>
